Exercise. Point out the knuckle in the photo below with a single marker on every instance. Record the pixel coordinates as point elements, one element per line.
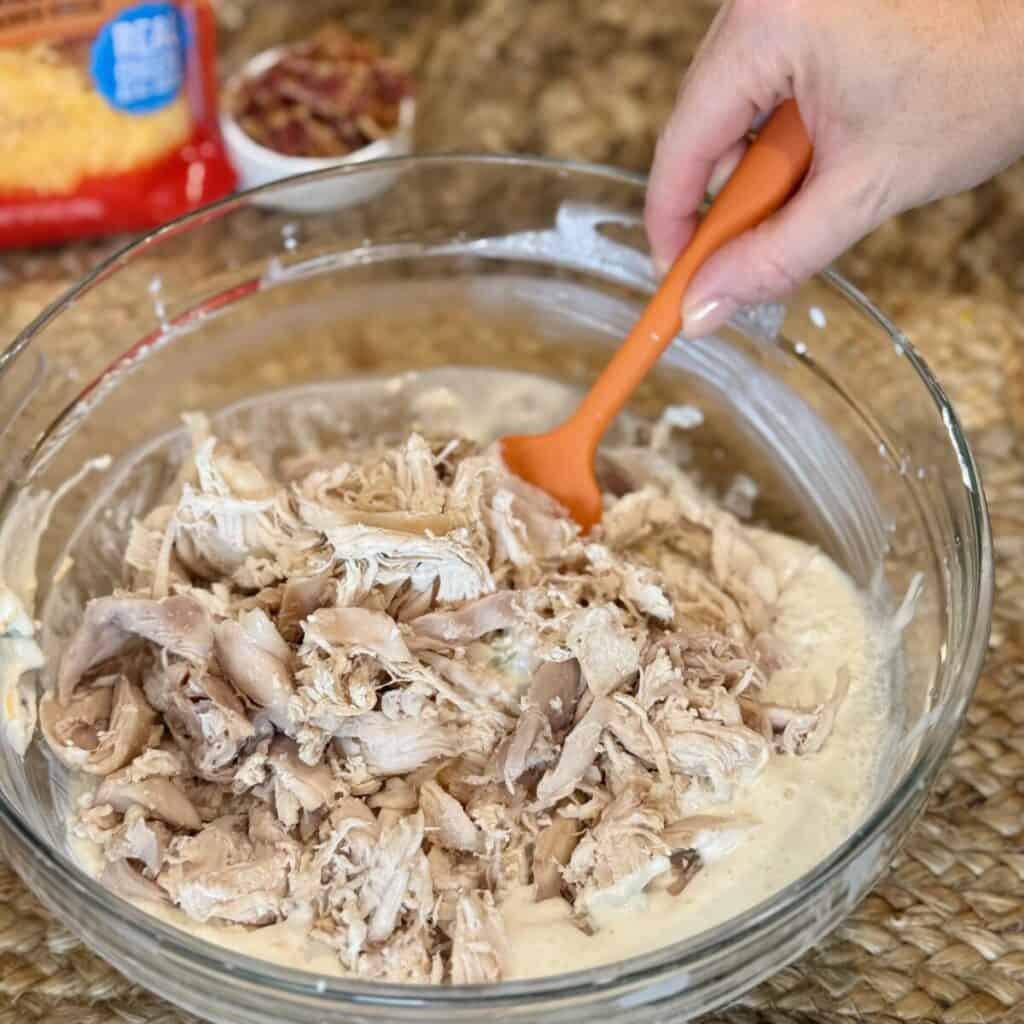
<point>775,274</point>
<point>745,9</point>
<point>766,9</point>
<point>652,216</point>
<point>664,141</point>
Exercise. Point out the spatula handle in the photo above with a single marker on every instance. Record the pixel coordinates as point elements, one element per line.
<point>765,178</point>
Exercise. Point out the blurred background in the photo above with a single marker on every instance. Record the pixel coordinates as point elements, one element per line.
<point>586,80</point>
<point>594,80</point>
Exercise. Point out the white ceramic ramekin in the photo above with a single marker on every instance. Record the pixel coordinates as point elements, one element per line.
<point>257,165</point>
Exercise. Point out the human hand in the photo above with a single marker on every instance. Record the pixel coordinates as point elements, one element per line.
<point>905,100</point>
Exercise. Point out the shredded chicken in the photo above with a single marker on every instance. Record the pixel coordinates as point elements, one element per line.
<point>377,693</point>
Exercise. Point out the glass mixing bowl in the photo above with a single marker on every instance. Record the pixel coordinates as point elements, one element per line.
<point>480,269</point>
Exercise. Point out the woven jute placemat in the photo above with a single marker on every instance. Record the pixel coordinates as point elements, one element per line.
<point>941,938</point>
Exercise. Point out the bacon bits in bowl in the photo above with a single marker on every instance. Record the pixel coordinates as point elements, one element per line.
<point>329,100</point>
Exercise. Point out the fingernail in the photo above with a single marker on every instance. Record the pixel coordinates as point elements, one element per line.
<point>702,317</point>
<point>723,170</point>
<point>661,265</point>
<point>719,176</point>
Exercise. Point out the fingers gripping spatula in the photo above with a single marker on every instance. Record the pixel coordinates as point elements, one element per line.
<point>561,462</point>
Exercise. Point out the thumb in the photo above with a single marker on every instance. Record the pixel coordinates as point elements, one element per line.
<point>830,212</point>
<point>743,69</point>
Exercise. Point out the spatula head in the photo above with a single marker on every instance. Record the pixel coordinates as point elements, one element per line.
<point>560,464</point>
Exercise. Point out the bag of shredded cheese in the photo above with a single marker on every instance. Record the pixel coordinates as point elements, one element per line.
<point>108,116</point>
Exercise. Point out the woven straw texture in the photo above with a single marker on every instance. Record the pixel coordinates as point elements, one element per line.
<point>941,939</point>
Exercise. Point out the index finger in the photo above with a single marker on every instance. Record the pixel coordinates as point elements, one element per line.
<point>719,99</point>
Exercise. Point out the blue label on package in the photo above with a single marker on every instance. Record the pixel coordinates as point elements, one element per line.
<point>138,58</point>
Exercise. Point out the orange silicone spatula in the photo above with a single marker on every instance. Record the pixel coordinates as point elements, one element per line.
<point>562,462</point>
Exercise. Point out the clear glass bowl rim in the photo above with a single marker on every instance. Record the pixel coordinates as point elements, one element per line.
<point>647,968</point>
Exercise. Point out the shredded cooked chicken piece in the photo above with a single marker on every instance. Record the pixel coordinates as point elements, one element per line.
<point>478,945</point>
<point>376,693</point>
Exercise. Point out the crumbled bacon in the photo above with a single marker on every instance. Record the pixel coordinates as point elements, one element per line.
<point>325,97</point>
<point>376,694</point>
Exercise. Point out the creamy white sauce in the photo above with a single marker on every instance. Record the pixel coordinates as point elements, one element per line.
<point>287,943</point>
<point>20,654</point>
<point>806,806</point>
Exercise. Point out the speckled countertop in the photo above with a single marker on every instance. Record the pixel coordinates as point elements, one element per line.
<point>942,937</point>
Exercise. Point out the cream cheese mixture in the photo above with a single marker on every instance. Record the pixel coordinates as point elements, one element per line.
<point>806,807</point>
<point>386,713</point>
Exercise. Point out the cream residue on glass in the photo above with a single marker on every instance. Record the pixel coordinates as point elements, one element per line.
<point>382,711</point>
<point>20,654</point>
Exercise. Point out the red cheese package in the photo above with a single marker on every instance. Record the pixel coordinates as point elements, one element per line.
<point>108,117</point>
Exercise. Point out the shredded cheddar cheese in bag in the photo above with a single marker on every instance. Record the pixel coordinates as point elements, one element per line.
<point>107,116</point>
